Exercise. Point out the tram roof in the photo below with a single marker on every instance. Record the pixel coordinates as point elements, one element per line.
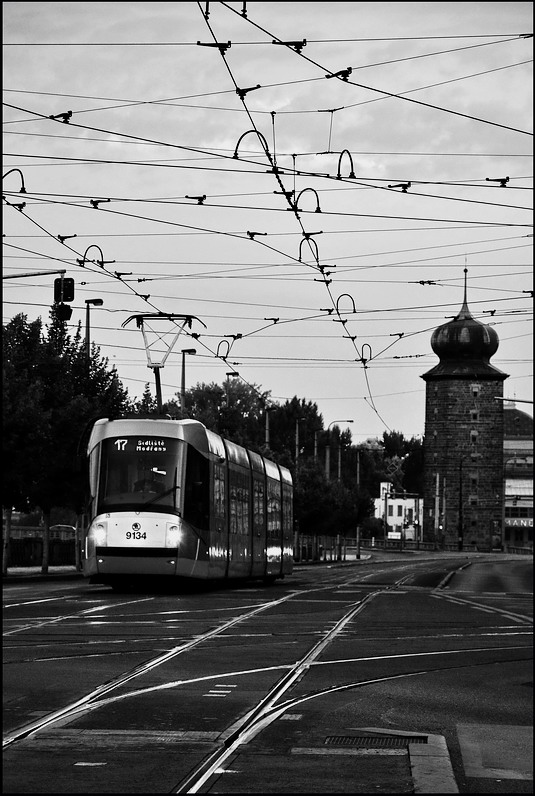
<point>192,431</point>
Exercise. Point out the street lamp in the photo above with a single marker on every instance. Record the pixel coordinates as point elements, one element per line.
<point>328,447</point>
<point>460,519</point>
<point>96,302</point>
<point>230,374</point>
<point>267,410</point>
<point>183,383</point>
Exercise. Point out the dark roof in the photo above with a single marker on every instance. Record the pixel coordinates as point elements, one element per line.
<point>516,423</point>
<point>464,346</point>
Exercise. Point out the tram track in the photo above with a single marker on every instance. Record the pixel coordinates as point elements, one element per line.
<point>268,711</point>
<point>89,700</point>
<point>252,721</point>
<point>277,698</point>
<point>86,702</point>
<point>75,708</point>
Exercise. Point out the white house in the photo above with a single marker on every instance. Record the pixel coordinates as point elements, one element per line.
<point>403,512</point>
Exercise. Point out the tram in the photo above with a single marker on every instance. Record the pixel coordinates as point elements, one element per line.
<point>172,499</point>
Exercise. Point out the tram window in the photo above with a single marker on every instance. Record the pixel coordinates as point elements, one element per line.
<point>196,497</point>
<point>258,509</point>
<point>239,503</point>
<point>219,491</point>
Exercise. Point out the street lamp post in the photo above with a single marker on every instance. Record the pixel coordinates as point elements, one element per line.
<point>96,302</point>
<point>266,437</point>
<point>297,419</point>
<point>183,382</point>
<point>328,447</point>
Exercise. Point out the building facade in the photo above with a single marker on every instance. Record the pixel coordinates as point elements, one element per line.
<point>463,443</point>
<point>518,478</point>
<point>401,514</point>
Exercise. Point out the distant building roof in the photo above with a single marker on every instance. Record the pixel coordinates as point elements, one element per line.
<point>516,423</point>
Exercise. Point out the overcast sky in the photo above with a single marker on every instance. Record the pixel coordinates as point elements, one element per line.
<point>309,180</point>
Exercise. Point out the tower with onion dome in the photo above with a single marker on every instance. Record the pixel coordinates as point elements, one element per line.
<point>463,443</point>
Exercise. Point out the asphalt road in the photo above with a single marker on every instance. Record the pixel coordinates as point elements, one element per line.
<point>316,684</point>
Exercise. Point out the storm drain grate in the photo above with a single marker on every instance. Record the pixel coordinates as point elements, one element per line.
<point>374,741</point>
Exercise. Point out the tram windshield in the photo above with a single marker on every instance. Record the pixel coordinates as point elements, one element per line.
<point>139,473</point>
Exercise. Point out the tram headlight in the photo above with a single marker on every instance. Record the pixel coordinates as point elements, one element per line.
<point>100,534</point>
<point>173,535</point>
<point>96,537</point>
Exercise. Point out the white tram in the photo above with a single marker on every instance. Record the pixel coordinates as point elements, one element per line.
<point>171,498</point>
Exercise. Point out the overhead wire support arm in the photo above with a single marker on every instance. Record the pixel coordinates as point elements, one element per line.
<point>403,185</point>
<point>343,74</point>
<point>502,180</point>
<point>63,116</point>
<point>295,45</point>
<point>241,92</point>
<point>221,46</point>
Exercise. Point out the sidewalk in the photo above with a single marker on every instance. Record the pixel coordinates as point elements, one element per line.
<point>21,574</point>
<point>16,574</point>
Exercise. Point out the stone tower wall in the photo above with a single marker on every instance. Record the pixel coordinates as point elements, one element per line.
<point>463,446</point>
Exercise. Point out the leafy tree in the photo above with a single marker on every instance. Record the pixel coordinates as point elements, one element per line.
<point>147,405</point>
<point>234,410</point>
<point>50,391</point>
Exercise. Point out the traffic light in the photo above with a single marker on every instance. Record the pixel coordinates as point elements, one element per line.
<point>64,312</point>
<point>63,290</point>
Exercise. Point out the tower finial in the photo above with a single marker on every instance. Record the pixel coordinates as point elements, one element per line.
<point>464,311</point>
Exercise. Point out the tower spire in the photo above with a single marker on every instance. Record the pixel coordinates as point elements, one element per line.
<point>464,311</point>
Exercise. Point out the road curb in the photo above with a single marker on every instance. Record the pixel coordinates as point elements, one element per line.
<point>431,767</point>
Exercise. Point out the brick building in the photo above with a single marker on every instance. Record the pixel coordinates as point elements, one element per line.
<point>464,431</point>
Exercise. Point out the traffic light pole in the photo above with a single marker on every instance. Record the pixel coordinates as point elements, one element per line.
<point>34,273</point>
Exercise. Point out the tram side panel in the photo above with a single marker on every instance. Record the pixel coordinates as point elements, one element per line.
<point>239,495</point>
<point>287,522</point>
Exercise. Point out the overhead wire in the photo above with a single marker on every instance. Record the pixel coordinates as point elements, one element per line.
<point>300,211</point>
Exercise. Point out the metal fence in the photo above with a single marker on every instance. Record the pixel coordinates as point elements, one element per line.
<point>29,552</point>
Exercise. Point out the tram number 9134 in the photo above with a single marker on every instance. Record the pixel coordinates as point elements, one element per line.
<point>135,535</point>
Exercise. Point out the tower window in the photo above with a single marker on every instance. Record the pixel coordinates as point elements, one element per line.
<point>474,415</point>
<point>475,388</point>
<point>473,436</point>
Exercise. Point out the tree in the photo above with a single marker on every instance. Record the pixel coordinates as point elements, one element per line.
<point>23,416</point>
<point>147,405</point>
<point>234,410</point>
<point>50,393</point>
